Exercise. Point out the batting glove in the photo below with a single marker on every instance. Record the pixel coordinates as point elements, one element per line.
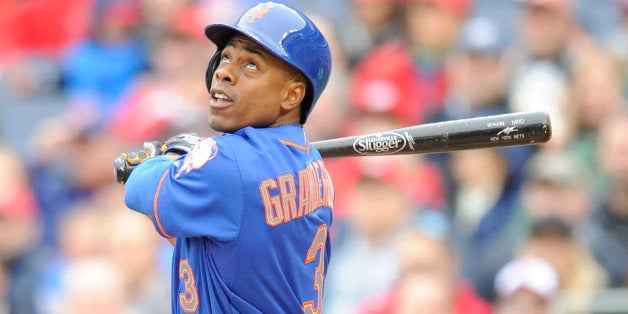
<point>182,143</point>
<point>124,165</point>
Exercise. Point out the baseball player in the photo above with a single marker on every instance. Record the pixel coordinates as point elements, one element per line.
<point>249,211</point>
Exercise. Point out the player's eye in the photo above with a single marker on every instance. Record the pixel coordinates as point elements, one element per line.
<point>225,59</point>
<point>251,65</point>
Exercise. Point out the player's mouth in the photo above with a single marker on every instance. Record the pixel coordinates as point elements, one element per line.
<point>220,98</point>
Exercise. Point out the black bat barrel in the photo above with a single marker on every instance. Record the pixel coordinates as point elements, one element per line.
<point>522,128</point>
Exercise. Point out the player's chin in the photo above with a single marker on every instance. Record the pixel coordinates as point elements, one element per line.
<point>221,123</point>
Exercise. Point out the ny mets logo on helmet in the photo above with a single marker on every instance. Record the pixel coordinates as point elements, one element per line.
<point>260,11</point>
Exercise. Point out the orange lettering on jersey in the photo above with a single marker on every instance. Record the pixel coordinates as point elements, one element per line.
<point>303,189</point>
<point>285,200</point>
<point>260,11</point>
<point>330,194</point>
<point>320,192</point>
<point>272,204</point>
<point>309,192</point>
<point>288,196</point>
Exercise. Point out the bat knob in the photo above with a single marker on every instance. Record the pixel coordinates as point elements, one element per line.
<point>121,169</point>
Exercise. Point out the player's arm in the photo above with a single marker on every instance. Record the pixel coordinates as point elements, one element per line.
<point>152,169</point>
<point>171,156</point>
<point>143,182</point>
<point>196,195</point>
<point>154,159</point>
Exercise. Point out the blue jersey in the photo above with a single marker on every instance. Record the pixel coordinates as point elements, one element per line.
<point>251,212</point>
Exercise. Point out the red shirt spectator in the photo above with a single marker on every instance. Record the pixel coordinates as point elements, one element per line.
<point>42,25</point>
<point>466,301</point>
<point>388,81</point>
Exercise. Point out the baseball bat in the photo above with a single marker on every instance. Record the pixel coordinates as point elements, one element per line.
<point>512,129</point>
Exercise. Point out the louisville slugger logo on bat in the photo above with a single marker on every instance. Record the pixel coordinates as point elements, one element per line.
<point>523,128</point>
<point>379,143</point>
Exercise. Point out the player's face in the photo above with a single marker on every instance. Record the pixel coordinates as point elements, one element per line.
<point>250,87</point>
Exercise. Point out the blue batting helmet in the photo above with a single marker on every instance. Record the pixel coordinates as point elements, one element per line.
<point>286,33</point>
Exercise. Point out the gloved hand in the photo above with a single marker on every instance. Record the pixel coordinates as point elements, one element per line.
<point>182,143</point>
<point>124,165</point>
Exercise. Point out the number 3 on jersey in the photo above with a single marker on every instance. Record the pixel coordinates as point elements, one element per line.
<point>318,244</point>
<point>188,299</point>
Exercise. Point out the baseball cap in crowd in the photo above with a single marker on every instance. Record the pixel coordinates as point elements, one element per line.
<point>384,82</point>
<point>530,273</point>
<point>481,36</point>
<point>556,168</point>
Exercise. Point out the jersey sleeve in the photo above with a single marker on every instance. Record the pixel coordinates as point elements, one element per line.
<point>145,177</point>
<point>199,194</point>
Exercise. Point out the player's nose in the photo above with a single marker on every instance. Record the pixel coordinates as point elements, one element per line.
<point>225,72</point>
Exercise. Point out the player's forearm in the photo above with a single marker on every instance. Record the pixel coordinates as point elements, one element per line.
<point>142,185</point>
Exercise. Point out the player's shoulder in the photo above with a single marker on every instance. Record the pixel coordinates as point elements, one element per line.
<point>265,137</point>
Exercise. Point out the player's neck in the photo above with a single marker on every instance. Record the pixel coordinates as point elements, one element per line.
<point>285,124</point>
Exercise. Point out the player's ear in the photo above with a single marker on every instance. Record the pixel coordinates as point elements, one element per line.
<point>294,94</point>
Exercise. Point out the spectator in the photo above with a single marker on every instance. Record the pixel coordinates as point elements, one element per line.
<point>81,236</point>
<point>616,42</point>
<point>597,93</point>
<point>526,285</point>
<point>98,70</point>
<point>548,39</point>
<point>420,177</point>
<point>413,87</point>
<point>158,17</point>
<point>579,274</point>
<point>596,97</point>
<point>34,36</point>
<point>82,176</point>
<point>133,247</point>
<point>429,280</point>
<point>21,255</point>
<point>94,284</point>
<point>483,207</point>
<point>364,258</point>
<point>381,204</point>
<point>557,185</point>
<point>171,98</point>
<point>376,22</point>
<point>478,72</point>
<point>41,27</point>
<point>610,220</point>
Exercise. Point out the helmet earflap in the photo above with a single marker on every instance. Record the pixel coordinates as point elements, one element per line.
<point>211,69</point>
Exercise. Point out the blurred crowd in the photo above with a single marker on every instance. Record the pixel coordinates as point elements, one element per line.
<point>527,229</point>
